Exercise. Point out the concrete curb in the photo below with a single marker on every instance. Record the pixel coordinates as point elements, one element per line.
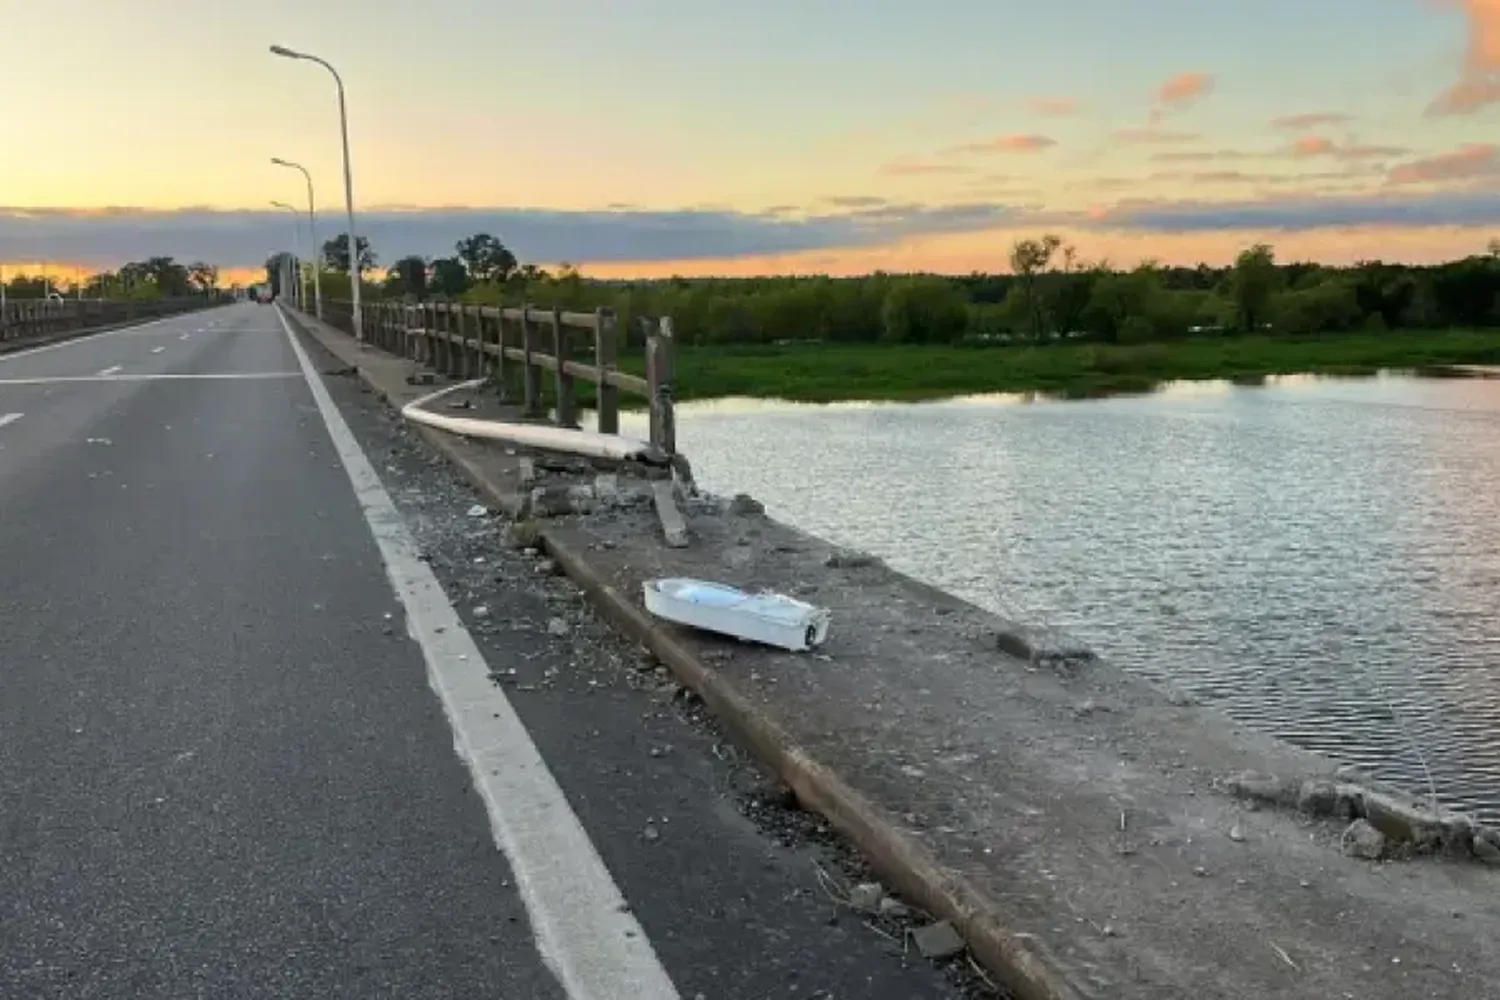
<point>1020,963</point>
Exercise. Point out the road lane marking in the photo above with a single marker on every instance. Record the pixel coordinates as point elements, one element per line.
<point>185,336</point>
<point>584,930</point>
<point>111,371</point>
<point>10,418</point>
<point>148,377</point>
<point>13,355</point>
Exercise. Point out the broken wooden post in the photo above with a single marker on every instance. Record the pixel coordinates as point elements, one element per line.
<point>606,358</point>
<point>562,378</point>
<point>530,376</point>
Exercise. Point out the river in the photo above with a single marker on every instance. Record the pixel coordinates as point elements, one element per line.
<point>1319,558</point>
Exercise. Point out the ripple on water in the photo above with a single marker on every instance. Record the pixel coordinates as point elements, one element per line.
<point>1318,558</point>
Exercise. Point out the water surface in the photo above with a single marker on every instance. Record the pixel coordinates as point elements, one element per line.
<point>1319,557</point>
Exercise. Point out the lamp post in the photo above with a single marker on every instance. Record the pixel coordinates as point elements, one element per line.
<point>299,298</point>
<point>286,53</point>
<point>312,232</point>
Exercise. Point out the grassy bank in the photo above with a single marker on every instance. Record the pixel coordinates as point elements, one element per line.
<point>827,372</point>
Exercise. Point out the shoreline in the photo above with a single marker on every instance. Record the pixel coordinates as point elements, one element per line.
<point>990,777</point>
<point>820,373</point>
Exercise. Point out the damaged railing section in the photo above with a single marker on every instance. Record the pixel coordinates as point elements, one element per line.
<point>524,348</point>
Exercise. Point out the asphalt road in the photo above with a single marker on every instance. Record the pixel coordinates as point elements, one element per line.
<point>249,745</point>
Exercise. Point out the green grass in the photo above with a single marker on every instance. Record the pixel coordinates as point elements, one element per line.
<point>827,372</point>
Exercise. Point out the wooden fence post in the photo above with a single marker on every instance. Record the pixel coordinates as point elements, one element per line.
<point>562,379</point>
<point>660,367</point>
<point>606,357</point>
<point>502,367</point>
<point>530,382</point>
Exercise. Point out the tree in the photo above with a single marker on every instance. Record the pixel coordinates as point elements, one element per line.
<point>336,254</point>
<point>408,276</point>
<point>1252,282</point>
<point>450,277</point>
<point>1029,258</point>
<point>204,277</point>
<point>485,257</point>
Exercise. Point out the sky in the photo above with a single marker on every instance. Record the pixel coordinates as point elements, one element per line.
<point>657,137</point>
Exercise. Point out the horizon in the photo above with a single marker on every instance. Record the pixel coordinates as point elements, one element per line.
<point>783,140</point>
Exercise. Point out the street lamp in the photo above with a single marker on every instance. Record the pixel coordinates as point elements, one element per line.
<point>298,297</point>
<point>286,53</point>
<point>312,231</point>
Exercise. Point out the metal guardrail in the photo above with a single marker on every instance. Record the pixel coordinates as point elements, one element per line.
<point>27,319</point>
<point>469,341</point>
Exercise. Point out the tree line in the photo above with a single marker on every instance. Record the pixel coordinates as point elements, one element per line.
<point>152,278</point>
<point>1049,293</point>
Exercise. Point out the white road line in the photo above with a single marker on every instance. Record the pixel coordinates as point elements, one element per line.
<point>160,377</point>
<point>185,336</point>
<point>82,340</point>
<point>584,930</point>
<point>10,418</point>
<point>157,350</point>
<point>110,371</point>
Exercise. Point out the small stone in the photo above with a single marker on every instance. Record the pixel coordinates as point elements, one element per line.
<point>937,940</point>
<point>1486,850</point>
<point>744,504</point>
<point>557,627</point>
<point>1200,871</point>
<point>1361,840</point>
<point>1109,930</point>
<point>1253,785</point>
<point>546,567</point>
<point>651,834</point>
<point>1178,697</point>
<point>893,909</point>
<point>1318,798</point>
<point>850,559</point>
<point>479,510</point>
<point>866,897</point>
<point>481,611</point>
<point>1237,833</point>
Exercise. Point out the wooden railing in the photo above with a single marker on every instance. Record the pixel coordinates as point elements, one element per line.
<point>519,344</point>
<point>25,319</point>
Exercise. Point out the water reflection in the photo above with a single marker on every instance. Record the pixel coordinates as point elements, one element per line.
<point>1317,555</point>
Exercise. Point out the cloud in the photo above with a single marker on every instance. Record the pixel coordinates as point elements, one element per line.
<point>1053,107</point>
<point>1180,93</point>
<point>1478,84</point>
<point>105,238</point>
<point>1471,162</point>
<point>1317,145</point>
<point>1312,119</point>
<point>910,167</point>
<point>1304,213</point>
<point>1015,142</point>
<point>1153,135</point>
<point>1200,155</point>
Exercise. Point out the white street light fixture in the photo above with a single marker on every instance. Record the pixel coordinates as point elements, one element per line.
<point>286,53</point>
<point>298,297</point>
<point>312,229</point>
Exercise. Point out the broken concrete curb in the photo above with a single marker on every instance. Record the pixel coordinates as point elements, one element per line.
<point>1020,962</point>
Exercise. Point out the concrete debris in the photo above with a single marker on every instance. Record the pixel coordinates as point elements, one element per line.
<point>850,559</point>
<point>557,627</point>
<point>1361,840</point>
<point>744,505</point>
<point>937,940</point>
<point>481,611</point>
<point>479,510</point>
<point>546,567</point>
<point>893,909</point>
<point>866,897</point>
<point>673,525</point>
<point>1487,847</point>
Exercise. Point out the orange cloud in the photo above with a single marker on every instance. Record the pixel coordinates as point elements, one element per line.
<point>1152,134</point>
<point>919,168</point>
<point>1053,107</point>
<point>1318,145</point>
<point>1180,92</point>
<point>1465,163</point>
<point>1016,142</point>
<point>1479,82</point>
<point>1313,119</point>
<point>1199,155</point>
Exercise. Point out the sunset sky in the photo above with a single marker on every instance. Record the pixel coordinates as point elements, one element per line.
<point>649,137</point>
